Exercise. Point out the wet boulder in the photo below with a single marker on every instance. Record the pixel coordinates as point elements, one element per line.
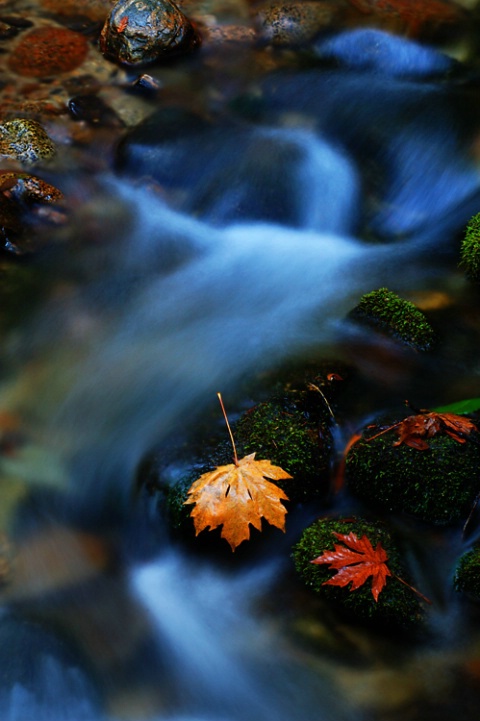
<point>470,249</point>
<point>390,605</point>
<point>419,466</point>
<point>467,574</point>
<point>137,33</point>
<point>292,434</point>
<point>395,317</point>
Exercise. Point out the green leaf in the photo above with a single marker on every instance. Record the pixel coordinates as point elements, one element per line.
<point>468,406</point>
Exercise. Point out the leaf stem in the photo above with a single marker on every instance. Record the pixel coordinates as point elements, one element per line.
<point>235,457</point>
<point>313,387</point>
<point>424,598</point>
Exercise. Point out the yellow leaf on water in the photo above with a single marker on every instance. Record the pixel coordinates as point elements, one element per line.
<point>237,495</point>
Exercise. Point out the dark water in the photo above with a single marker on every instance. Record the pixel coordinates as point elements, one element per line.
<point>260,226</point>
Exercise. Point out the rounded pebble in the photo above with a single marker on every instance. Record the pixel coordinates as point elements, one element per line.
<point>25,140</point>
<point>142,31</point>
<point>48,51</point>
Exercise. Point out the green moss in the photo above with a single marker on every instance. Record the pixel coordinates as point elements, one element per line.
<point>437,485</point>
<point>470,249</point>
<point>396,317</point>
<point>467,574</point>
<point>286,432</point>
<point>397,605</point>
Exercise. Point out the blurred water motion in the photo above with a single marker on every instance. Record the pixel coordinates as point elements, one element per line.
<point>265,234</point>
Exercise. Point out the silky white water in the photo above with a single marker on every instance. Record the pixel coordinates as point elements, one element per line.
<point>161,304</point>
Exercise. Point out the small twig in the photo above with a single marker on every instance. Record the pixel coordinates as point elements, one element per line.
<point>313,387</point>
<point>235,457</point>
<point>424,598</point>
<point>385,430</point>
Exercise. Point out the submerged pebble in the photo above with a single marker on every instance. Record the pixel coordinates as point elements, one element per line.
<point>142,31</point>
<point>24,203</point>
<point>48,51</point>
<point>25,140</point>
<point>293,23</point>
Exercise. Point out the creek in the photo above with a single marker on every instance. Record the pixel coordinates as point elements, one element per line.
<point>217,248</point>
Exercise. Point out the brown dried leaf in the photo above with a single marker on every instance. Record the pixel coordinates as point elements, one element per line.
<point>413,430</point>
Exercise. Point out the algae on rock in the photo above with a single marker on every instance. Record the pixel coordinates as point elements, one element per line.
<point>400,319</point>
<point>397,606</point>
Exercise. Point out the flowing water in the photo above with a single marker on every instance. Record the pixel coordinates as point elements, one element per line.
<point>317,181</point>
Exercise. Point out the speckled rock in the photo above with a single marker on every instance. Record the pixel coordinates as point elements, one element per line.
<point>48,51</point>
<point>293,23</point>
<point>26,141</point>
<point>142,31</point>
<point>28,188</point>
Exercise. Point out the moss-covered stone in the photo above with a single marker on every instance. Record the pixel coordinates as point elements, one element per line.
<point>437,485</point>
<point>398,318</point>
<point>294,433</point>
<point>397,605</point>
<point>467,574</point>
<point>470,249</point>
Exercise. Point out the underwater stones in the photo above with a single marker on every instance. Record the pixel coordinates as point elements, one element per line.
<point>293,23</point>
<point>397,605</point>
<point>28,189</point>
<point>26,141</point>
<point>23,201</point>
<point>470,249</point>
<point>138,32</point>
<point>48,51</point>
<point>437,484</point>
<point>400,319</point>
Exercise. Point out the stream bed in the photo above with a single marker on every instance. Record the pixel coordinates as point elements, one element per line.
<point>209,222</point>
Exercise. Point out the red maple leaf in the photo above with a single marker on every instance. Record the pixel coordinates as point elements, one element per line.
<point>355,562</point>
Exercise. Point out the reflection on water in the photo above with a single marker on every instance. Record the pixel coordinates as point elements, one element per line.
<point>249,252</point>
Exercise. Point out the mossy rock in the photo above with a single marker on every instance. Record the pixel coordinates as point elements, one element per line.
<point>293,433</point>
<point>397,605</point>
<point>467,574</point>
<point>395,317</point>
<point>470,249</point>
<point>437,485</point>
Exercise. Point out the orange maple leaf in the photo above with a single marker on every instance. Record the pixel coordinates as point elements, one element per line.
<point>237,495</point>
<point>414,429</point>
<point>355,562</point>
